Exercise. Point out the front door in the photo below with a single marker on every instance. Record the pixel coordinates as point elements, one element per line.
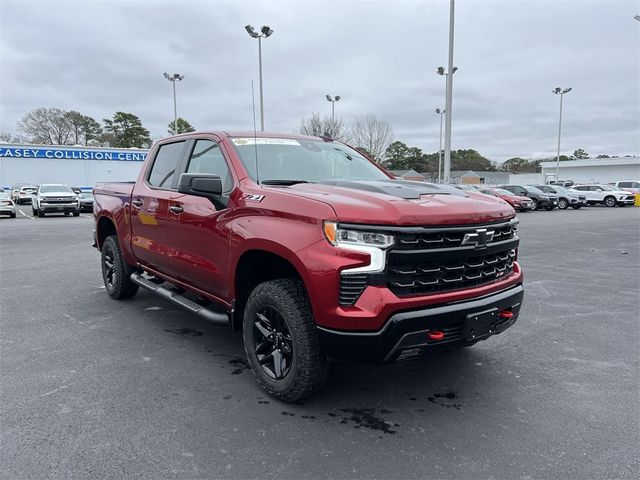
<point>198,238</point>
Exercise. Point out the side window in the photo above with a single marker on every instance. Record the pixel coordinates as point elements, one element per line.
<point>163,170</point>
<point>207,158</point>
<point>624,184</point>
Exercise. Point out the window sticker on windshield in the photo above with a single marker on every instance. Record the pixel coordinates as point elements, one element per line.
<point>264,141</point>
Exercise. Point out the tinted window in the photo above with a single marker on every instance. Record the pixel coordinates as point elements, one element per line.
<point>582,188</point>
<point>163,171</point>
<point>207,158</point>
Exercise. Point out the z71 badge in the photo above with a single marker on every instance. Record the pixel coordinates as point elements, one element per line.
<point>249,197</point>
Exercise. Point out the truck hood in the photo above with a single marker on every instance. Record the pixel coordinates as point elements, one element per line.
<point>398,202</point>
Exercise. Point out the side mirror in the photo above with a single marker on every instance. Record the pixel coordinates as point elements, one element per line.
<point>203,185</point>
<point>200,184</point>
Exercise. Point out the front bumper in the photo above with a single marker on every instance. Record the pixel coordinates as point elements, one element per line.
<point>52,207</point>
<point>404,335</point>
<point>544,203</point>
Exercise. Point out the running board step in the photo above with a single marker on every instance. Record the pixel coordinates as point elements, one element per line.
<point>210,315</point>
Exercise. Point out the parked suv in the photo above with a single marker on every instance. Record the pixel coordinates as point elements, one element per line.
<point>55,198</point>
<point>22,192</point>
<point>539,199</point>
<point>7,207</point>
<point>629,185</point>
<point>605,194</point>
<point>566,197</point>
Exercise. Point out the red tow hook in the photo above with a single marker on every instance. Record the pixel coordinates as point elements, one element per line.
<point>435,335</point>
<point>506,314</point>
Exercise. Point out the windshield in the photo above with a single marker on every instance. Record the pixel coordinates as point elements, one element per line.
<point>305,160</point>
<point>55,188</point>
<point>85,195</point>
<point>502,191</point>
<point>531,189</point>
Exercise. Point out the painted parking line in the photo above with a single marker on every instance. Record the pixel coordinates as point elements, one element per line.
<point>28,216</point>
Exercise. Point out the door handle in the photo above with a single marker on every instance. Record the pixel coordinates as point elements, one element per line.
<point>176,209</point>
<point>137,203</point>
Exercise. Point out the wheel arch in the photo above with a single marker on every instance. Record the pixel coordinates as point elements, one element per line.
<point>256,266</point>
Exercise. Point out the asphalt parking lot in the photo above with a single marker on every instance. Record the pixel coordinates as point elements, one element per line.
<point>95,388</point>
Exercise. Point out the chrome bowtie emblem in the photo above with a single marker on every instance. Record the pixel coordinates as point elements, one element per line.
<point>479,239</point>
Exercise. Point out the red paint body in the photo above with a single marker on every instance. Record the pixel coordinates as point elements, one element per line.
<point>200,248</point>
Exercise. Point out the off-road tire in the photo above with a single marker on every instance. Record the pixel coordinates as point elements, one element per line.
<point>119,284</point>
<point>309,369</point>
<point>610,201</point>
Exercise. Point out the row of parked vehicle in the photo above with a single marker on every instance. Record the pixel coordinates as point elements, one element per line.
<point>549,197</point>
<point>46,198</point>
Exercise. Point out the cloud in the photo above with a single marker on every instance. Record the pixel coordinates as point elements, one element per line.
<point>102,57</point>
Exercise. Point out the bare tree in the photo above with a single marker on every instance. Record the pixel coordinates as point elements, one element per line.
<point>5,137</point>
<point>323,127</point>
<point>371,134</point>
<point>49,126</point>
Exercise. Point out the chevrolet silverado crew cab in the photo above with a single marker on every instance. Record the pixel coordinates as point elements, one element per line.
<point>310,249</point>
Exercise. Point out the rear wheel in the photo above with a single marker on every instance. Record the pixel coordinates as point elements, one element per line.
<point>610,201</point>
<point>281,342</point>
<point>115,272</point>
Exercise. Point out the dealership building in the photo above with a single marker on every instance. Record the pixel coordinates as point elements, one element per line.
<point>594,170</point>
<point>77,166</point>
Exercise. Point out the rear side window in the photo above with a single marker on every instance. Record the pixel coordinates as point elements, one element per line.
<point>207,158</point>
<point>163,170</point>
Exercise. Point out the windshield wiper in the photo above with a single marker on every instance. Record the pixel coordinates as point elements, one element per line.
<point>283,182</point>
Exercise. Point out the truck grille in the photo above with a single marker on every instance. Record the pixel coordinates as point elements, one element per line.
<point>465,272</point>
<point>430,260</point>
<point>452,237</point>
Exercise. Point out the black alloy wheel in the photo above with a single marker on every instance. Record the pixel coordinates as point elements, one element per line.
<point>115,272</point>
<point>272,343</point>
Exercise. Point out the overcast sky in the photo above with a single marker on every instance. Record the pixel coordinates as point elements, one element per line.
<point>99,57</point>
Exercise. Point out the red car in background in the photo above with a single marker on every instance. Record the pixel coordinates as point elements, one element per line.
<point>519,203</point>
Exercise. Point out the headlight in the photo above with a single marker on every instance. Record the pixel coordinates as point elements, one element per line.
<point>372,243</point>
<point>340,236</point>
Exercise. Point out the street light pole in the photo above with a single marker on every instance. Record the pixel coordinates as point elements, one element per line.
<point>176,77</point>
<point>561,92</point>
<point>333,112</point>
<point>265,32</point>
<point>449,101</point>
<point>441,113</point>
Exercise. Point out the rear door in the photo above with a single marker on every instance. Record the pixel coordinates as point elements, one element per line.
<point>150,205</point>
<point>198,236</point>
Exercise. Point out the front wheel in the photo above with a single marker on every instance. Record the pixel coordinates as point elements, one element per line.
<point>40,213</point>
<point>534,204</point>
<point>610,201</point>
<point>562,204</point>
<point>115,272</point>
<point>76,214</point>
<point>281,342</point>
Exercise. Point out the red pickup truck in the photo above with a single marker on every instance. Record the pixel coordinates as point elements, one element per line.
<point>312,250</point>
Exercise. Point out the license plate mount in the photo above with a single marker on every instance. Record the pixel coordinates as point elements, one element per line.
<point>480,325</point>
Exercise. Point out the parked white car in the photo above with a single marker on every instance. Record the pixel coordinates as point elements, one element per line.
<point>55,198</point>
<point>629,185</point>
<point>605,194</point>
<point>7,207</point>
